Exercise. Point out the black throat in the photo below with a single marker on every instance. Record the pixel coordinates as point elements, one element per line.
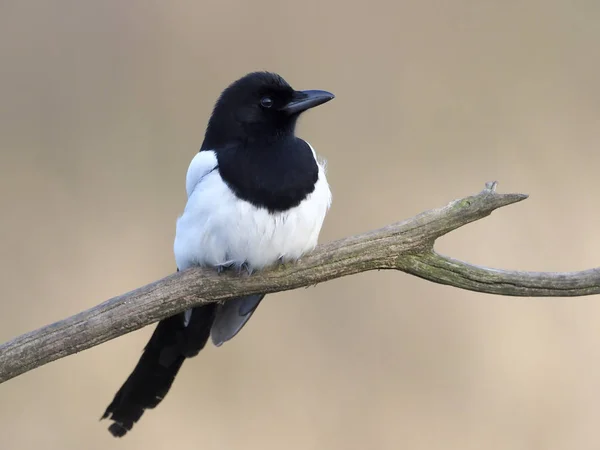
<point>275,175</point>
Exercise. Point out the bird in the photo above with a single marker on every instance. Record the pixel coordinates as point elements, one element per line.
<point>257,196</point>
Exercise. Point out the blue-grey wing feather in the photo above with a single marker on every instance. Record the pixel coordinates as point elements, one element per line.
<point>231,317</point>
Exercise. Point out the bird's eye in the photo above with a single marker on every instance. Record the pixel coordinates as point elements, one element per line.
<point>266,102</point>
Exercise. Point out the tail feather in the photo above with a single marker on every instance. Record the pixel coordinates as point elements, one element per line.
<point>174,340</point>
<point>170,344</point>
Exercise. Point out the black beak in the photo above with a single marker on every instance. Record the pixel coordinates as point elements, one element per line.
<point>304,100</point>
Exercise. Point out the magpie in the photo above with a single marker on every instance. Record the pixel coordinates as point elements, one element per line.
<point>257,196</point>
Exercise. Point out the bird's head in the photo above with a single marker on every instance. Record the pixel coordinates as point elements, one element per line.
<point>260,106</point>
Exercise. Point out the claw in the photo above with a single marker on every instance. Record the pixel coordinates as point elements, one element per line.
<point>245,267</point>
<point>222,268</point>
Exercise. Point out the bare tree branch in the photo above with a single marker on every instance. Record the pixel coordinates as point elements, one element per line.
<point>405,246</point>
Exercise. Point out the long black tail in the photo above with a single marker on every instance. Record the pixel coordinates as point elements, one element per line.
<point>171,343</point>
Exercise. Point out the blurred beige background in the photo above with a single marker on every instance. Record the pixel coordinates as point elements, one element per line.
<point>103,105</point>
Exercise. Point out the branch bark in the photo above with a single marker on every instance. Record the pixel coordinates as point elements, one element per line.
<point>406,246</point>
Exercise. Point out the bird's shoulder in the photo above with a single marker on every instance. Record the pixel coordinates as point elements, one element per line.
<point>201,165</point>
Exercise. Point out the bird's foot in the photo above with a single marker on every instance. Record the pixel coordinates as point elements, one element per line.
<point>245,267</point>
<point>223,267</point>
<point>280,263</point>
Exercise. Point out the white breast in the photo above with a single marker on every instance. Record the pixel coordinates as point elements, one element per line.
<point>217,228</point>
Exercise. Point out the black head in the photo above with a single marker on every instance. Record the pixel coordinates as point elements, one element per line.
<point>261,106</point>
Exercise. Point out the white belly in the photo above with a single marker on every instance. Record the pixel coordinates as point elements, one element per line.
<point>217,228</point>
